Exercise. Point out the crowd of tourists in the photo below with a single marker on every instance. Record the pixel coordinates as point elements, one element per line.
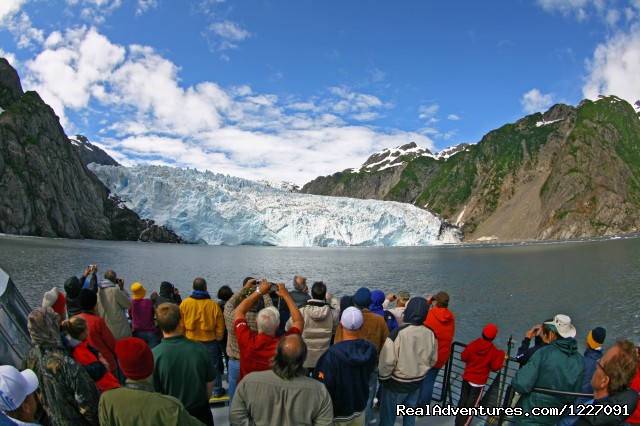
<point>105,353</point>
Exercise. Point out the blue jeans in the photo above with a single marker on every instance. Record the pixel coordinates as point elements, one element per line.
<point>233,373</point>
<point>151,337</point>
<point>215,352</point>
<point>427,387</point>
<point>392,399</point>
<point>373,385</point>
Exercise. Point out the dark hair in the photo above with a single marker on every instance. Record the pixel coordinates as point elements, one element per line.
<point>200,284</point>
<point>621,368</point>
<point>291,353</point>
<point>225,293</point>
<point>168,317</point>
<point>318,290</point>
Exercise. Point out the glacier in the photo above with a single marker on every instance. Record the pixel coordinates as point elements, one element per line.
<point>216,209</point>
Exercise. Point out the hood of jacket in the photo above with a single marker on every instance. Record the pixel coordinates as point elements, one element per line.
<point>416,311</point>
<point>317,310</point>
<point>593,354</point>
<point>106,284</point>
<point>377,298</point>
<point>357,353</point>
<point>568,345</point>
<point>443,315</point>
<point>72,287</point>
<point>166,289</point>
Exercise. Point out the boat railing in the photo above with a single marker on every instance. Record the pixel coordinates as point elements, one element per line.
<point>14,312</point>
<point>496,393</point>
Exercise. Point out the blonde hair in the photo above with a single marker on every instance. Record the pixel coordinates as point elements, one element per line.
<point>74,327</point>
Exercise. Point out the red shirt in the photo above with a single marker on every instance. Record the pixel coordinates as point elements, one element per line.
<point>84,356</point>
<point>256,350</point>
<point>635,385</point>
<point>101,338</point>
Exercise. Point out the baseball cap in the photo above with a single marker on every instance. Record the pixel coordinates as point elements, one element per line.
<point>352,318</point>
<point>15,386</point>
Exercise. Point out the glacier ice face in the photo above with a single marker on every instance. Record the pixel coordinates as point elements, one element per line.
<point>205,207</point>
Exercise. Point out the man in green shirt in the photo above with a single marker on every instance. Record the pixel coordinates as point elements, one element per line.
<point>136,403</point>
<point>183,367</point>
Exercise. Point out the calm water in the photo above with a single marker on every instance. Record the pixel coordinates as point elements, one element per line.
<point>513,286</point>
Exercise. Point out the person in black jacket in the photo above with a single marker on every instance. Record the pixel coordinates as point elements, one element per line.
<point>613,401</point>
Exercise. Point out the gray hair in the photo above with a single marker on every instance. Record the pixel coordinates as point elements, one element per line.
<point>268,320</point>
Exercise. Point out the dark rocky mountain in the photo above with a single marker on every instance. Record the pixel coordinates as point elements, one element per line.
<point>45,188</point>
<point>90,153</point>
<point>570,172</point>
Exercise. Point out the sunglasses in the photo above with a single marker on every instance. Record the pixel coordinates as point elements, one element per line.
<point>600,365</point>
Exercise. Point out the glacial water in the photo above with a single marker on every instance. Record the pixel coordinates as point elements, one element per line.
<point>595,282</point>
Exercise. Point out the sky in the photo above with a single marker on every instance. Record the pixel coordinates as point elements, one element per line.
<point>288,90</point>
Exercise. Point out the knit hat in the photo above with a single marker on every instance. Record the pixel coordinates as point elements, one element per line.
<point>362,297</point>
<point>56,300</point>
<point>562,326</point>
<point>138,291</point>
<point>88,299</point>
<point>352,318</point>
<point>136,359</point>
<point>72,287</point>
<point>489,332</point>
<point>596,337</point>
<point>15,387</point>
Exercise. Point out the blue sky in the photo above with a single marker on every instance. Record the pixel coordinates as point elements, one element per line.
<point>294,89</point>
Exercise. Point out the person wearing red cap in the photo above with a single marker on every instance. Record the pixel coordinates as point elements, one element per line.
<point>481,357</point>
<point>56,301</point>
<point>136,403</point>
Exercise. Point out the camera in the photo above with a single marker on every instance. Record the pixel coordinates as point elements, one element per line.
<point>274,287</point>
<point>394,297</point>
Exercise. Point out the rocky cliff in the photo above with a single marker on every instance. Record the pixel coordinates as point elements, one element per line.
<point>570,172</point>
<point>45,189</point>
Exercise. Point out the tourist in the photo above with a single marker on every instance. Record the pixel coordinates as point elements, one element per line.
<point>257,350</point>
<point>442,321</point>
<point>224,294</point>
<point>66,392</point>
<point>168,294</point>
<point>100,336</point>
<point>635,385</point>
<point>233,371</point>
<point>204,323</point>
<point>142,314</point>
<point>299,294</point>
<point>56,301</point>
<point>282,394</point>
<point>320,322</point>
<point>378,300</point>
<point>73,285</point>
<point>614,372</point>
<point>113,301</point>
<point>345,369</point>
<point>408,353</point>
<point>89,357</point>
<point>480,358</point>
<point>136,403</point>
<point>542,337</point>
<point>17,394</point>
<point>557,366</point>
<point>401,298</point>
<point>183,367</point>
<point>373,330</point>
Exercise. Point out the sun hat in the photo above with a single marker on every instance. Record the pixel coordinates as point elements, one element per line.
<point>562,326</point>
<point>352,318</point>
<point>15,386</point>
<point>596,337</point>
<point>138,290</point>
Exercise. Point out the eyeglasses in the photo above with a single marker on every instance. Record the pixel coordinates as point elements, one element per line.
<point>600,365</point>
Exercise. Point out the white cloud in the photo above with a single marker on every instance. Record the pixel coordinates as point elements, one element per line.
<point>145,5</point>
<point>226,35</point>
<point>9,57</point>
<point>536,101</point>
<point>9,8</point>
<point>576,8</point>
<point>615,67</point>
<point>453,117</point>
<point>148,116</point>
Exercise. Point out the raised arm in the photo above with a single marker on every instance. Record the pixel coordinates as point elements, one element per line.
<point>296,316</point>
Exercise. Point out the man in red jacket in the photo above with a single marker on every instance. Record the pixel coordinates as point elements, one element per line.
<point>442,321</point>
<point>481,357</point>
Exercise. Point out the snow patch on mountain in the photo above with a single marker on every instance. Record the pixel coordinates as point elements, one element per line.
<point>394,157</point>
<point>205,207</point>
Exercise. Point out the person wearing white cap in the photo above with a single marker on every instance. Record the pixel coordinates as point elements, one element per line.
<point>17,398</point>
<point>345,369</point>
<point>557,366</point>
